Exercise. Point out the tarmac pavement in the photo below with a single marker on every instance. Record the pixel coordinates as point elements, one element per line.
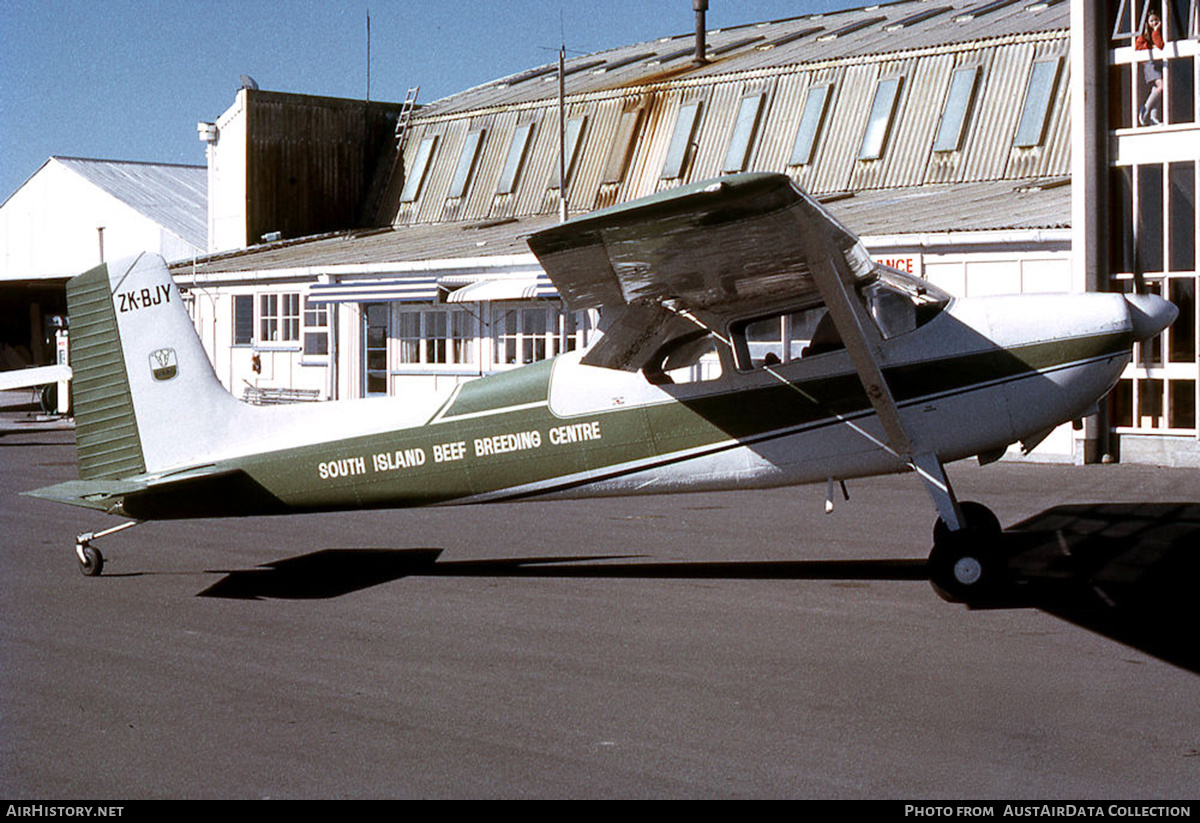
<point>739,644</point>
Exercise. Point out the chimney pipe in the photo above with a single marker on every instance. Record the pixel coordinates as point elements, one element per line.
<point>700,7</point>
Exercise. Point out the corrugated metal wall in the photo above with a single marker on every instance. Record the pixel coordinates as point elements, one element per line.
<point>987,151</point>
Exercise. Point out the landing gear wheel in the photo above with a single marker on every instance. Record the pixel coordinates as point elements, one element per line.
<point>966,566</point>
<point>91,561</point>
<point>977,518</point>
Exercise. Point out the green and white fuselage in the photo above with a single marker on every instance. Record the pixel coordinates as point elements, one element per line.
<point>683,392</point>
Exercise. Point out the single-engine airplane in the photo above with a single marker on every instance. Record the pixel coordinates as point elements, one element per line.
<point>748,341</point>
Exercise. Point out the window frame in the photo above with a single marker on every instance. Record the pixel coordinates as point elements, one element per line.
<point>955,118</point>
<point>745,129</point>
<point>278,320</point>
<point>1037,104</point>
<point>810,125</point>
<point>415,179</point>
<point>468,158</point>
<point>881,118</point>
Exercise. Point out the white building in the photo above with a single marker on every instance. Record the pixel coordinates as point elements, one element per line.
<point>74,213</point>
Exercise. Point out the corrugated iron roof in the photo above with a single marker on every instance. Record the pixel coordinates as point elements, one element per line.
<point>989,206</point>
<point>870,31</point>
<point>173,196</point>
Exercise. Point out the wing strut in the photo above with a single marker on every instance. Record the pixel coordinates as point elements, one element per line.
<point>864,345</point>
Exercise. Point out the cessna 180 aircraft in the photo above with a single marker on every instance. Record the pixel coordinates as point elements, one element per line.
<point>748,341</point>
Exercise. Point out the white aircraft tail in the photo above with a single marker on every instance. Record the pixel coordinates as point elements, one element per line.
<point>146,396</point>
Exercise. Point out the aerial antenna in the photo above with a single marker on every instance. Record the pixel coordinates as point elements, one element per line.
<point>368,55</point>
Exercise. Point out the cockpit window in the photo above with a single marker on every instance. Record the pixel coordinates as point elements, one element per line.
<point>782,338</point>
<point>900,303</point>
<point>896,301</point>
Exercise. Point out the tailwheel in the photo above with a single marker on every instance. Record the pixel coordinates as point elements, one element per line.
<point>91,561</point>
<point>966,566</point>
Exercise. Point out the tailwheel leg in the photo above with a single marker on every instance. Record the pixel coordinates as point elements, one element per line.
<point>91,561</point>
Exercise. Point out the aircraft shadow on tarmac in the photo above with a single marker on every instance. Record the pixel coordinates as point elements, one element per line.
<point>1126,571</point>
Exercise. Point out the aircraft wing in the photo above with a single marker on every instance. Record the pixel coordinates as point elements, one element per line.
<point>28,378</point>
<point>715,248</point>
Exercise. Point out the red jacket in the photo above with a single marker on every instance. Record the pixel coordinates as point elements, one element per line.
<point>1155,36</point>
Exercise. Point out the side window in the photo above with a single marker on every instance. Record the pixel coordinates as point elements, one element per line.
<point>692,358</point>
<point>782,338</point>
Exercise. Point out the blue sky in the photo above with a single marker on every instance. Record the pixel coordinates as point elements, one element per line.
<point>129,79</point>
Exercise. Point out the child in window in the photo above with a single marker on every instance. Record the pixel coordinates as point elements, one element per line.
<point>1152,70</point>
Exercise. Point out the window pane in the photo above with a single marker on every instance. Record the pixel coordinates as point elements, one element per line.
<point>1181,92</point>
<point>618,156</point>
<point>1150,218</point>
<point>466,164</point>
<point>514,160</point>
<point>1039,91</point>
<point>574,131</point>
<point>243,319</point>
<point>954,117</point>
<point>416,175</point>
<point>1183,404</point>
<point>681,140</point>
<point>1182,210</point>
<point>810,125</point>
<point>1121,216</point>
<point>742,139</point>
<point>880,120</point>
<point>1183,330</point>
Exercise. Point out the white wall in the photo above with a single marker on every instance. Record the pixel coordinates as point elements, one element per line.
<point>48,228</point>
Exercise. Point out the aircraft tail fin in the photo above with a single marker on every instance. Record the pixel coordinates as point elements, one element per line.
<point>146,396</point>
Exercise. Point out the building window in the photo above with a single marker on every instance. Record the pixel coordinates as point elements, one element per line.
<point>571,140</point>
<point>466,163</point>
<point>533,333</point>
<point>279,318</point>
<point>681,140</point>
<point>435,337</point>
<point>958,105</point>
<point>811,120</point>
<point>420,165</point>
<point>1038,93</point>
<point>375,337</point>
<point>880,121</point>
<point>515,159</point>
<point>316,329</point>
<point>243,319</point>
<point>1153,240</point>
<point>742,139</point>
<point>622,147</point>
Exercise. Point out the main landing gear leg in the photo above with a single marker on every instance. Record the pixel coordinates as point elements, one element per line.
<point>965,565</point>
<point>91,561</point>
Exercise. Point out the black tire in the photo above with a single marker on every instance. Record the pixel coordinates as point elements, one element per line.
<point>92,563</point>
<point>977,518</point>
<point>966,567</point>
